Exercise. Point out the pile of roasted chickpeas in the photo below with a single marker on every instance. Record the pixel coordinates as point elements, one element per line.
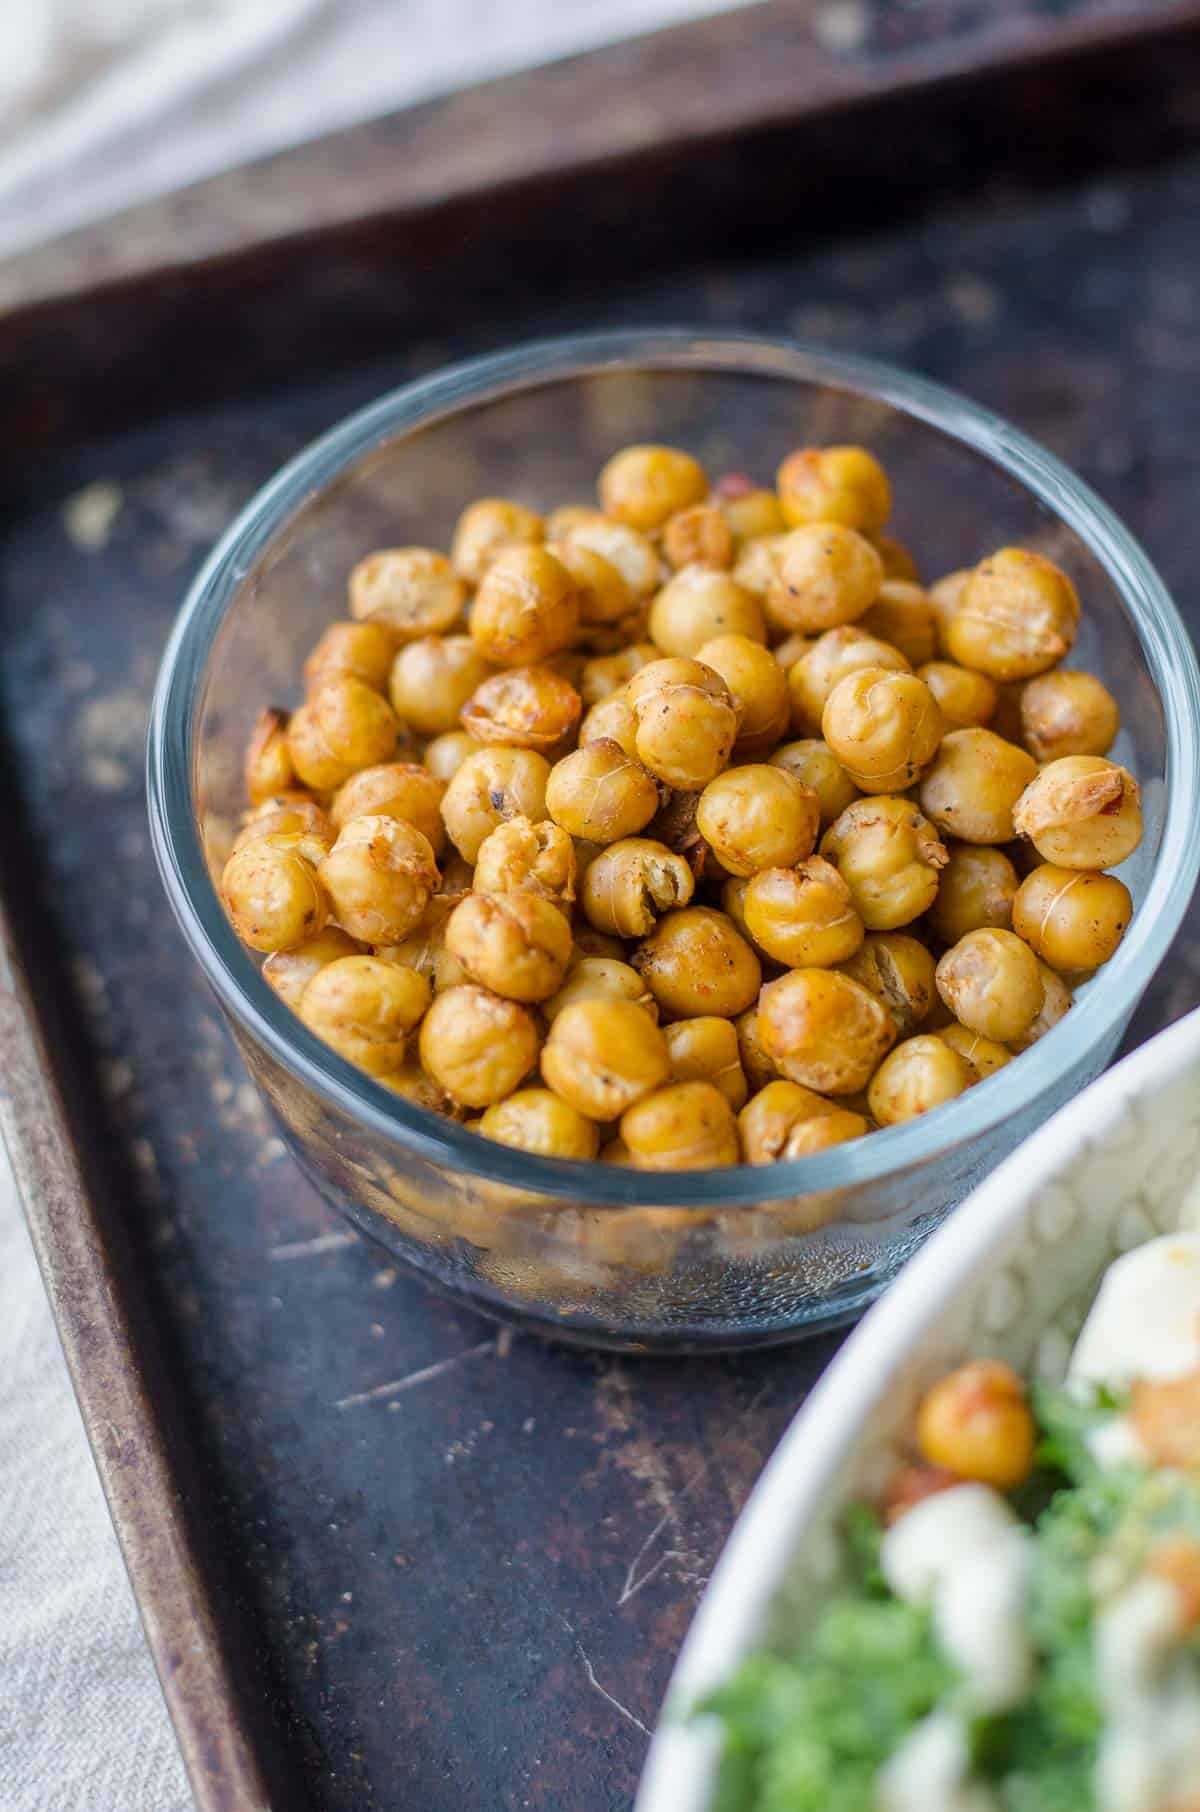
<point>688,830</point>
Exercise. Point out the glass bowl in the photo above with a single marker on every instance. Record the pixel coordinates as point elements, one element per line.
<point>600,1253</point>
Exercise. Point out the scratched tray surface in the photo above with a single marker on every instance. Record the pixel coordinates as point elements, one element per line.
<point>464,1561</point>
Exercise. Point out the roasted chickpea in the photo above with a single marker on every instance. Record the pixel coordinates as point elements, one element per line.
<point>477,1045</point>
<point>424,949</point>
<point>535,1119</point>
<point>919,1074</point>
<point>897,970</point>
<point>699,603</point>
<point>898,561</point>
<point>903,615</point>
<point>644,486</point>
<point>758,817</point>
<point>786,1121</point>
<point>699,536</point>
<point>363,650</point>
<point>826,575</point>
<point>364,1009</point>
<point>889,857</point>
<point>824,1031</point>
<point>289,972</point>
<point>516,944</point>
<point>379,876</point>
<point>966,700</point>
<point>687,722</point>
<point>397,789</point>
<point>409,591</point>
<point>601,978</point>
<point>488,528</point>
<point>432,679</point>
<point>983,1056</point>
<point>946,596</point>
<point>1018,615</point>
<point>756,567</point>
<point>268,766</point>
<point>634,557</point>
<point>977,887</point>
<point>832,657</point>
<point>976,1423</point>
<point>609,673</point>
<point>1068,714</point>
<point>447,752</point>
<point>526,608</point>
<point>274,895</point>
<point>1071,918</point>
<point>411,1082</point>
<point>1055,1006</point>
<point>802,916</point>
<point>816,766</point>
<point>685,1126</point>
<point>525,707</point>
<point>344,726</point>
<point>1081,812</point>
<point>991,982</point>
<point>835,484</point>
<point>792,648</point>
<point>522,857</point>
<point>759,1068</point>
<point>604,596</point>
<point>695,961</point>
<point>631,883</point>
<point>590,942</point>
<point>758,686</point>
<point>604,1054</point>
<point>300,825</point>
<point>974,784</point>
<point>706,1050</point>
<point>750,511</point>
<point>490,788</point>
<point>600,794</point>
<point>883,727</point>
<point>293,798</point>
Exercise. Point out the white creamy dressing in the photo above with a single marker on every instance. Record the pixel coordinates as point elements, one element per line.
<point>1115,1442</point>
<point>1145,1321</point>
<point>929,1772</point>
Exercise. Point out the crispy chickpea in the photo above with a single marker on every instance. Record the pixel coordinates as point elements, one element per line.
<point>363,650</point>
<point>824,1031</point>
<point>635,557</point>
<point>364,1009</point>
<point>898,970</point>
<point>699,603</point>
<point>832,657</point>
<point>1018,615</point>
<point>1081,812</point>
<point>604,1054</point>
<point>706,1050</point>
<point>816,766</point>
<point>293,798</point>
<point>409,591</point>
<point>974,784</point>
<point>991,982</point>
<point>977,887</point>
<point>600,794</point>
<point>490,527</point>
<point>490,788</point>
<point>432,679</point>
<point>1055,1006</point>
<point>1068,714</point>
<point>750,511</point>
<point>526,608</point>
<point>447,752</point>
<point>274,895</point>
<point>525,707</point>
<point>424,949</point>
<point>759,1068</point>
<point>758,817</point>
<point>522,857</point>
<point>605,596</point>
<point>685,1126</point>
<point>644,486</point>
<point>756,567</point>
<point>976,1423</point>
<point>1071,918</point>
<point>695,961</point>
<point>889,857</point>
<point>379,876</point>
<point>827,575</point>
<point>687,722</point>
<point>631,884</point>
<point>946,596</point>
<point>301,826</point>
<point>758,686</point>
<point>609,673</point>
<point>983,1056</point>
<point>268,766</point>
<point>699,536</point>
<point>343,727</point>
<point>477,1045</point>
<point>785,1121</point>
<point>966,700</point>
<point>898,561</point>
<point>802,916</point>
<point>918,1075</point>
<point>611,720</point>
<point>601,978</point>
<point>883,727</point>
<point>516,944</point>
<point>397,789</point>
<point>535,1119</point>
<point>411,1082</point>
<point>903,615</point>
<point>835,484</point>
<point>289,972</point>
<point>590,942</point>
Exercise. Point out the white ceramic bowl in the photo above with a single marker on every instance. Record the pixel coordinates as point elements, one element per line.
<point>1009,1276</point>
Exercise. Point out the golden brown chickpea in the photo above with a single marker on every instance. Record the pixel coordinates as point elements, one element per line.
<point>601,978</point>
<point>604,1054</point>
<point>609,673</point>
<point>756,567</point>
<point>490,788</point>
<point>1081,812</point>
<point>802,916</point>
<point>1071,918</point>
<point>524,707</point>
<point>883,727</point>
<point>478,1046</point>
<point>534,1119</point>
<point>273,895</point>
<point>363,650</point>
<point>827,575</point>
<point>612,720</point>
<point>898,561</point>
<point>835,484</point>
<point>903,615</point>
<point>824,1031</point>
<point>983,1056</point>
<point>758,686</point>
<point>379,876</point>
<point>631,883</point>
<point>699,536</point>
<point>343,727</point>
<point>300,825</point>
<point>977,887</point>
<point>364,1009</point>
<point>526,608</point>
<point>1055,1006</point>
<point>424,949</point>
<point>922,1073</point>
<point>816,766</point>
<point>786,1121</point>
<point>516,944</point>
<point>268,766</point>
<point>1018,615</point>
<point>522,857</point>
<point>750,512</point>
<point>568,516</point>
<point>946,596</point>
<point>687,722</point>
<point>695,961</point>
<point>600,794</point>
<point>447,752</point>
<point>635,557</point>
<point>832,657</point>
<point>699,603</point>
<point>889,857</point>
<point>685,1126</point>
<point>792,648</point>
<point>432,679</point>
<point>488,528</point>
<point>421,1090</point>
<point>293,798</point>
<point>758,817</point>
<point>898,970</point>
<point>397,789</point>
<point>645,485</point>
<point>759,1068</point>
<point>991,982</point>
<point>605,596</point>
<point>706,1050</point>
<point>409,591</point>
<point>1068,714</point>
<point>966,700</point>
<point>289,972</point>
<point>974,784</point>
<point>976,1423</point>
<point>590,942</point>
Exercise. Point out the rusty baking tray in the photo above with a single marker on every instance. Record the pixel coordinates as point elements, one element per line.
<point>388,1558</point>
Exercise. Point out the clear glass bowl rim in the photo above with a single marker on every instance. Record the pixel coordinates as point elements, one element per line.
<point>1166,646</point>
